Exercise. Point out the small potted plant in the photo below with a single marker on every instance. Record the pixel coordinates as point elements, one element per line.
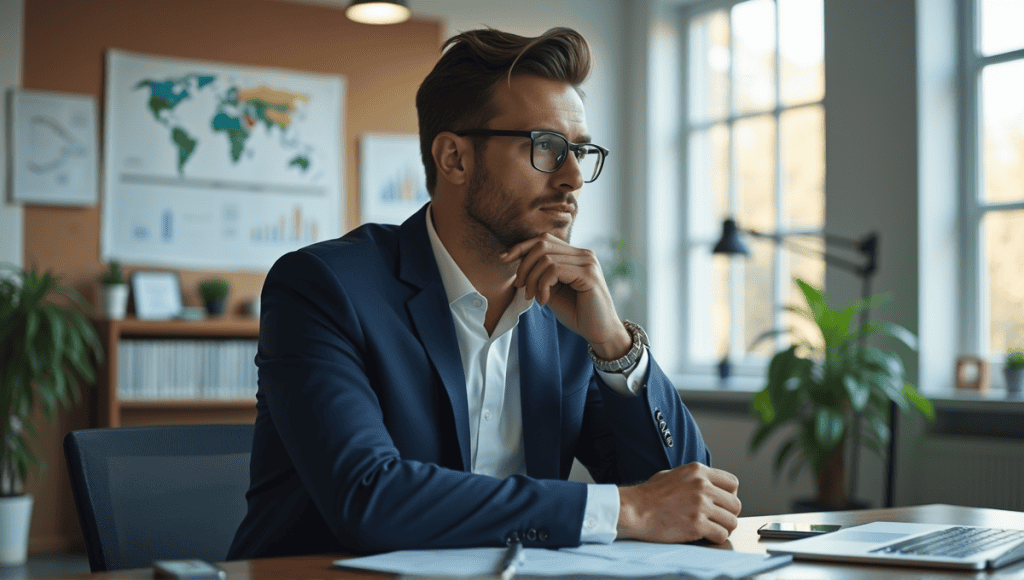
<point>114,292</point>
<point>1014,371</point>
<point>214,292</point>
<point>46,347</point>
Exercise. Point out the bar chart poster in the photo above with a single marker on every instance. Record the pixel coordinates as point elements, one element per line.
<point>218,166</point>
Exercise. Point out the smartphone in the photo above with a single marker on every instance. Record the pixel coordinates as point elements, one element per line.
<point>187,570</point>
<point>792,530</point>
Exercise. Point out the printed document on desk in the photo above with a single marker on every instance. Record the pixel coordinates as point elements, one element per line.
<point>622,559</point>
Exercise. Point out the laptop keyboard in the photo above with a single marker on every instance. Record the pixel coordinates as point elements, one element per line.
<point>957,542</point>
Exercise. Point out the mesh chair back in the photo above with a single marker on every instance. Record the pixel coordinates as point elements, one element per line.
<point>163,492</point>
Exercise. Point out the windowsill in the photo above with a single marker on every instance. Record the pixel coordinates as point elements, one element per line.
<point>710,388</point>
<point>741,389</point>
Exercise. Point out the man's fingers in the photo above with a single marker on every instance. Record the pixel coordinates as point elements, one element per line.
<point>723,479</point>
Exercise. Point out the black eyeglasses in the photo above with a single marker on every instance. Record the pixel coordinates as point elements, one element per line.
<point>548,150</point>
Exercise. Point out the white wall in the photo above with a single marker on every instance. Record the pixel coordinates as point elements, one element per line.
<point>11,33</point>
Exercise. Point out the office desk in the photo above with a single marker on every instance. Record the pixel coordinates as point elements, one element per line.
<point>744,539</point>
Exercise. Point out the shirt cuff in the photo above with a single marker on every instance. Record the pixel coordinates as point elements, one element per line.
<point>629,382</point>
<point>601,514</point>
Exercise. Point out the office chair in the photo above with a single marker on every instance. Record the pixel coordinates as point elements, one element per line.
<point>164,492</point>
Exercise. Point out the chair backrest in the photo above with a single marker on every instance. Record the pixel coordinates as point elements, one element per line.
<point>163,492</point>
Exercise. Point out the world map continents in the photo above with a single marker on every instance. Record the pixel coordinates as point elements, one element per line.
<point>238,112</point>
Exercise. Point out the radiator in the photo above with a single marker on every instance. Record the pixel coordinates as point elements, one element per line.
<point>969,471</point>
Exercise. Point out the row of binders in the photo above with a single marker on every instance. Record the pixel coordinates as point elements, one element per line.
<point>186,369</point>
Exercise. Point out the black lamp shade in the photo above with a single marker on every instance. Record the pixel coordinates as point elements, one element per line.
<point>731,243</point>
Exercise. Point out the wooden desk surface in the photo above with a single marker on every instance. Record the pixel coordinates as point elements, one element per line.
<point>744,539</point>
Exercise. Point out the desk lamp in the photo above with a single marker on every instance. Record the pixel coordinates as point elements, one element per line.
<point>731,243</point>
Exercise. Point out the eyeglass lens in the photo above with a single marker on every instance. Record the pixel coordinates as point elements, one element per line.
<point>549,152</point>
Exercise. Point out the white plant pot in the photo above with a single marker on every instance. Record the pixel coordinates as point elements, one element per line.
<point>115,301</point>
<point>15,517</point>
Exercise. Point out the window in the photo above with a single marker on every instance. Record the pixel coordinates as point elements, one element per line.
<point>992,70</point>
<point>755,151</point>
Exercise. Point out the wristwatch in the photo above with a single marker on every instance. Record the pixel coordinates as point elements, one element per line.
<point>626,362</point>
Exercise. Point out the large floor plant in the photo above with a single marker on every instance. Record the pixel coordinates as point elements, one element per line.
<point>823,385</point>
<point>47,345</point>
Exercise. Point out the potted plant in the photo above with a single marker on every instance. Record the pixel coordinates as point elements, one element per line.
<point>114,292</point>
<point>1014,371</point>
<point>214,292</point>
<point>823,386</point>
<point>45,348</point>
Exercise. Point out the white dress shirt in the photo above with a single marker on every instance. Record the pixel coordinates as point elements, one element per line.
<point>491,366</point>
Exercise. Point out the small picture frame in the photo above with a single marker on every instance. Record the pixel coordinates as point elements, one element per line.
<point>157,295</point>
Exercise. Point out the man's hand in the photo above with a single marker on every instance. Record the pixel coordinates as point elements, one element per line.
<point>570,281</point>
<point>688,503</point>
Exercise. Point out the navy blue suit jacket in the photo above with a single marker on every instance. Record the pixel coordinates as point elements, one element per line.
<point>362,430</point>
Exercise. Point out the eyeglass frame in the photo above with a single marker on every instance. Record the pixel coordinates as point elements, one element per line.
<point>571,147</point>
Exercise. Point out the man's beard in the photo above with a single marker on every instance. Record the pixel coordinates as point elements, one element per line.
<point>496,219</point>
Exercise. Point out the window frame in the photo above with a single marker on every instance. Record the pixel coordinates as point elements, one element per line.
<point>975,331</point>
<point>781,271</point>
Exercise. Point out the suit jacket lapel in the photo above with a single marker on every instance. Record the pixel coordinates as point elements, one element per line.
<point>540,391</point>
<point>432,318</point>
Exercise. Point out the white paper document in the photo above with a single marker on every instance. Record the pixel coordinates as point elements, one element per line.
<point>622,559</point>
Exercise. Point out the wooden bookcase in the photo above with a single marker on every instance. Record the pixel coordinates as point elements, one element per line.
<point>110,411</point>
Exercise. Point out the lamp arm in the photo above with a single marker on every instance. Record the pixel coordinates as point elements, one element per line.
<point>868,246</point>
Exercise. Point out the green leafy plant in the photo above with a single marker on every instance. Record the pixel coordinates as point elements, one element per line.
<point>214,289</point>
<point>1015,359</point>
<point>45,348</point>
<point>822,386</point>
<point>112,275</point>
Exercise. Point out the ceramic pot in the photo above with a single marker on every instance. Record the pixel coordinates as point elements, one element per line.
<point>115,301</point>
<point>15,517</point>
<point>215,307</point>
<point>1014,379</point>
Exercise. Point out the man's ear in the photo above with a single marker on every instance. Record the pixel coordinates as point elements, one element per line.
<point>453,157</point>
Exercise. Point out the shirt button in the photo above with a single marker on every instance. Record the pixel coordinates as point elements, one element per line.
<point>590,524</point>
<point>487,415</point>
<point>478,303</point>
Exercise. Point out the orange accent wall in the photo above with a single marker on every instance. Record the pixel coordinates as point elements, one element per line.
<point>64,50</point>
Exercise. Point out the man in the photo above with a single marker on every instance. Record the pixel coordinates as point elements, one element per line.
<point>428,385</point>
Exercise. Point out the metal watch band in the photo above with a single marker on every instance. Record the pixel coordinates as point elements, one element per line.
<point>629,359</point>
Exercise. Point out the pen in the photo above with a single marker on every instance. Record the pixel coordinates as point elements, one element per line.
<point>513,558</point>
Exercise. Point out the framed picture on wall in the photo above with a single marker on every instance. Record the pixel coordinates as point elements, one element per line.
<point>157,295</point>
<point>391,179</point>
<point>53,153</point>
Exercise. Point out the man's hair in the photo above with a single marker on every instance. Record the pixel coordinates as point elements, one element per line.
<point>456,95</point>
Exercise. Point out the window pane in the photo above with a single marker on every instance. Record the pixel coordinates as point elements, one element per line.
<point>1003,235</point>
<point>801,51</point>
<point>753,25</point>
<point>755,172</point>
<point>709,66</point>
<point>709,182</point>
<point>1001,25</point>
<point>810,269</point>
<point>709,313</point>
<point>802,137</point>
<point>758,297</point>
<point>1002,127</point>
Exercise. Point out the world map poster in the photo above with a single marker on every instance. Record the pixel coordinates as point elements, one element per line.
<point>217,166</point>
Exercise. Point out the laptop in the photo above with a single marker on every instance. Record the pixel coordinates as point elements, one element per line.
<point>930,545</point>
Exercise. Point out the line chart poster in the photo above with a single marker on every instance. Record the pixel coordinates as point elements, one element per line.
<point>217,166</point>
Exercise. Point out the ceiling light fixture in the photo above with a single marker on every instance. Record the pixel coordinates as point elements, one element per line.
<point>378,11</point>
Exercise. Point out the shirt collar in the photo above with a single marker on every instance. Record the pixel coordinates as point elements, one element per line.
<point>456,284</point>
